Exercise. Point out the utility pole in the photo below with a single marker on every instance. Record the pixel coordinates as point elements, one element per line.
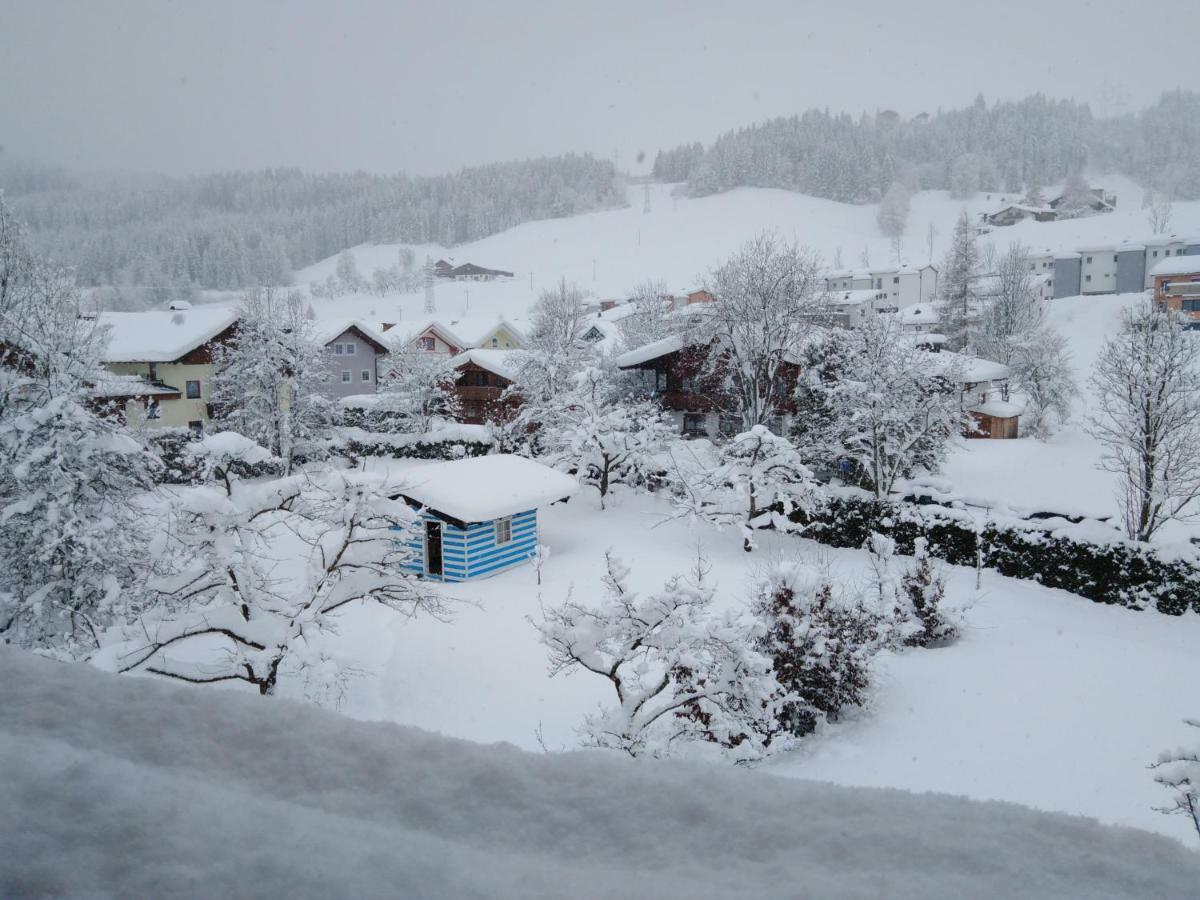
<point>430,300</point>
<point>646,201</point>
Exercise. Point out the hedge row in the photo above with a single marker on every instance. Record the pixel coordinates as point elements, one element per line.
<point>181,467</point>
<point>1119,572</point>
<point>359,447</point>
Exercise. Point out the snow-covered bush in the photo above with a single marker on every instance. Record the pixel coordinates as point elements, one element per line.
<point>184,457</point>
<point>1179,771</point>
<point>821,647</point>
<point>758,481</point>
<point>679,674</point>
<point>922,590</point>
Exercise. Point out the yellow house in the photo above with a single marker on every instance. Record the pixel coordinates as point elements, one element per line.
<point>172,350</point>
<point>453,336</point>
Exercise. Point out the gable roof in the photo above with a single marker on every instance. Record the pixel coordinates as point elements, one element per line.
<point>671,344</point>
<point>162,335</point>
<point>326,331</point>
<point>487,487</point>
<point>498,362</point>
<point>1178,265</point>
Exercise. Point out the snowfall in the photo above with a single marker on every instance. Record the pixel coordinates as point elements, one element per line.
<point>451,766</point>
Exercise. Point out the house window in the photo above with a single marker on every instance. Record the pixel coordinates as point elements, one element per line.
<point>688,384</point>
<point>729,425</point>
<point>693,424</point>
<point>350,348</point>
<point>1114,257</point>
<point>196,426</point>
<point>1089,259</point>
<point>503,531</point>
<point>896,280</point>
<point>1087,278</point>
<point>1155,253</point>
<point>339,349</point>
<point>366,374</point>
<point>193,390</point>
<point>346,376</point>
<point>660,380</point>
<point>470,410</point>
<point>1190,305</point>
<point>495,343</point>
<point>427,343</point>
<point>775,425</point>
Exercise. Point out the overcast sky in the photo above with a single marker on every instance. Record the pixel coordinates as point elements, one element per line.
<point>426,87</point>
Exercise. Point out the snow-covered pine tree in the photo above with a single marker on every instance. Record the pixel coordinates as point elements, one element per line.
<point>679,674</point>
<point>598,434</point>
<point>958,298</point>
<point>267,386</point>
<point>1147,418</point>
<point>922,589</point>
<point>757,480</point>
<point>233,609</point>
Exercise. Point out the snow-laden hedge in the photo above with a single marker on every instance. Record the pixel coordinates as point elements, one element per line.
<point>181,467</point>
<point>1089,561</point>
<point>451,442</point>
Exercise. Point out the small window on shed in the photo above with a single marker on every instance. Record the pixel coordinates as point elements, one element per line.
<point>503,530</point>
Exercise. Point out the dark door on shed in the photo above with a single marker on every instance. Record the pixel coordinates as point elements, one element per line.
<point>433,548</point>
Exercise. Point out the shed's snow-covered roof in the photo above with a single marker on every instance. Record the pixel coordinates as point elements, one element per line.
<point>653,350</point>
<point>498,362</point>
<point>1178,265</point>
<point>1000,409</point>
<point>487,487</point>
<point>162,335</point>
<point>326,330</point>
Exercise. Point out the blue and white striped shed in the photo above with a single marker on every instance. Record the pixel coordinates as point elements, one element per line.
<point>479,515</point>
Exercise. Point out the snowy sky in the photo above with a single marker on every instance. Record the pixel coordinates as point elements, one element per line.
<point>427,86</point>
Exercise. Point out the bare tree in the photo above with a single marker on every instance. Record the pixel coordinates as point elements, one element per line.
<point>769,300</point>
<point>1158,211</point>
<point>1014,308</point>
<point>1147,387</point>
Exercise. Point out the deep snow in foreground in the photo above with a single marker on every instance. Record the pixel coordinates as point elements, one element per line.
<point>132,787</point>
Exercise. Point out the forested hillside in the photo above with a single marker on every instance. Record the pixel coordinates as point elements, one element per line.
<point>235,229</point>
<point>1006,146</point>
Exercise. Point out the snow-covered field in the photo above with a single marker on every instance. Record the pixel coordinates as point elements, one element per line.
<point>1050,700</point>
<point>121,787</point>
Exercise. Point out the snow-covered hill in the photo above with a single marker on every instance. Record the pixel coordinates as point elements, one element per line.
<point>681,238</point>
<point>127,787</point>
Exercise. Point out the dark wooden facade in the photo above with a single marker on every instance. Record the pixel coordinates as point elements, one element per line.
<point>481,395</point>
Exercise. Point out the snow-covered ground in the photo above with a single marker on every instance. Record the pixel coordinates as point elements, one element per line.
<point>123,787</point>
<point>1050,700</point>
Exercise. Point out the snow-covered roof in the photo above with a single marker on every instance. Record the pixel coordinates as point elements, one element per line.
<point>162,335</point>
<point>1178,265</point>
<point>498,362</point>
<point>1000,409</point>
<point>474,329</point>
<point>653,350</point>
<point>108,384</point>
<point>487,487</point>
<point>326,330</point>
<point>968,369</point>
<point>921,314</point>
<point>852,298</point>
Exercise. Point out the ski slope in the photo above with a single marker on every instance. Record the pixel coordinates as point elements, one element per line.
<point>127,787</point>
